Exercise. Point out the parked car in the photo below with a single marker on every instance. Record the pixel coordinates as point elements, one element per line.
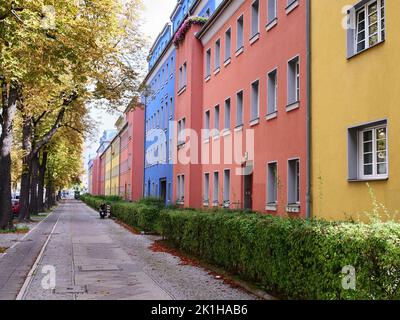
<point>15,206</point>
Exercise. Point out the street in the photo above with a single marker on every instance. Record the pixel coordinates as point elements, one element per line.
<point>73,255</point>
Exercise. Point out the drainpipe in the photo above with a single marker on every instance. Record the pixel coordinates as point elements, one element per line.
<point>308,120</point>
<point>144,147</point>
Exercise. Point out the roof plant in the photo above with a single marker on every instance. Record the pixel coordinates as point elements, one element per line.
<point>184,28</point>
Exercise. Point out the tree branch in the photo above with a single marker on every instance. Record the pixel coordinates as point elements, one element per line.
<point>73,128</point>
<point>57,124</point>
<point>36,121</point>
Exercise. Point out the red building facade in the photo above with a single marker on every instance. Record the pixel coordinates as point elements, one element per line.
<point>243,77</point>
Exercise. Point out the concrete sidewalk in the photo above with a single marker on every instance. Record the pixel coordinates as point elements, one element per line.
<point>18,260</point>
<point>98,259</point>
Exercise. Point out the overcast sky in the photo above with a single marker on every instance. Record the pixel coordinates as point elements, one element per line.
<point>155,15</point>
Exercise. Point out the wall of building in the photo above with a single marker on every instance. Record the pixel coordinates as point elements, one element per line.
<point>347,93</point>
<point>269,50</point>
<point>188,107</point>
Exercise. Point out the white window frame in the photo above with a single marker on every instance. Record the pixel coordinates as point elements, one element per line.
<point>240,44</point>
<point>227,113</point>
<point>208,63</point>
<point>297,80</point>
<point>296,180</point>
<point>374,152</point>
<point>381,32</point>
<point>273,110</point>
<point>255,19</point>
<point>274,15</point>
<point>239,93</point>
<point>253,104</point>
<point>269,202</point>
<point>228,44</point>
<point>217,55</point>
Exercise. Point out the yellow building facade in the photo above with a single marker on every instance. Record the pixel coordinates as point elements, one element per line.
<point>355,95</point>
<point>115,155</point>
<point>107,180</point>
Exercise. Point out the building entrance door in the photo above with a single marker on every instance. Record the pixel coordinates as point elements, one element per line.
<point>248,191</point>
<point>163,189</point>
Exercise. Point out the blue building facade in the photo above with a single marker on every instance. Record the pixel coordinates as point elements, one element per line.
<point>160,101</point>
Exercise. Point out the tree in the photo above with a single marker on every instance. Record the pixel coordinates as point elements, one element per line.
<point>72,50</point>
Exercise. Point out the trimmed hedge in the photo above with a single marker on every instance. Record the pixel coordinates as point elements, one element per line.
<point>292,258</point>
<point>296,259</point>
<point>143,214</point>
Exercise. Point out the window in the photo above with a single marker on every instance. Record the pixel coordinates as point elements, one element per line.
<point>180,188</point>
<point>272,92</point>
<point>369,19</point>
<point>239,36</point>
<point>272,184</point>
<point>239,108</point>
<point>227,44</point>
<point>207,124</point>
<point>216,188</point>
<point>169,191</point>
<point>227,186</point>
<point>227,122</point>
<point>216,117</point>
<point>294,182</point>
<point>272,12</point>
<point>182,76</point>
<point>294,81</point>
<point>255,29</point>
<point>206,187</point>
<point>208,63</point>
<point>181,131</point>
<point>217,62</point>
<point>255,98</point>
<point>368,152</point>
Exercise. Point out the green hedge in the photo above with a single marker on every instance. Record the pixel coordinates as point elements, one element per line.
<point>143,214</point>
<point>294,258</point>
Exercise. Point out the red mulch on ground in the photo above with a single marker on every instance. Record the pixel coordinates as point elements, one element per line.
<point>131,229</point>
<point>163,246</point>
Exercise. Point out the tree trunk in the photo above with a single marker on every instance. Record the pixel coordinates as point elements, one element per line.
<point>42,173</point>
<point>26,166</point>
<point>33,203</point>
<point>9,107</point>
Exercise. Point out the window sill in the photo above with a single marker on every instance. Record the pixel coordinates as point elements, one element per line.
<point>206,204</point>
<point>254,122</point>
<point>293,208</point>
<point>182,90</point>
<point>254,38</point>
<point>216,137</point>
<point>225,132</point>
<point>180,202</point>
<point>239,51</point>
<point>292,6</point>
<point>181,144</point>
<point>217,70</point>
<point>206,140</point>
<point>207,78</point>
<point>271,207</point>
<point>227,62</point>
<point>293,106</point>
<point>239,128</point>
<point>362,51</point>
<point>271,24</point>
<point>271,115</point>
<point>369,179</point>
<point>215,204</point>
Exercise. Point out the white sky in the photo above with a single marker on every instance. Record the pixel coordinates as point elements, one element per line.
<point>155,15</point>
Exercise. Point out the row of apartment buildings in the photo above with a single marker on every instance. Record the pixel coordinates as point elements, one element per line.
<point>281,106</point>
